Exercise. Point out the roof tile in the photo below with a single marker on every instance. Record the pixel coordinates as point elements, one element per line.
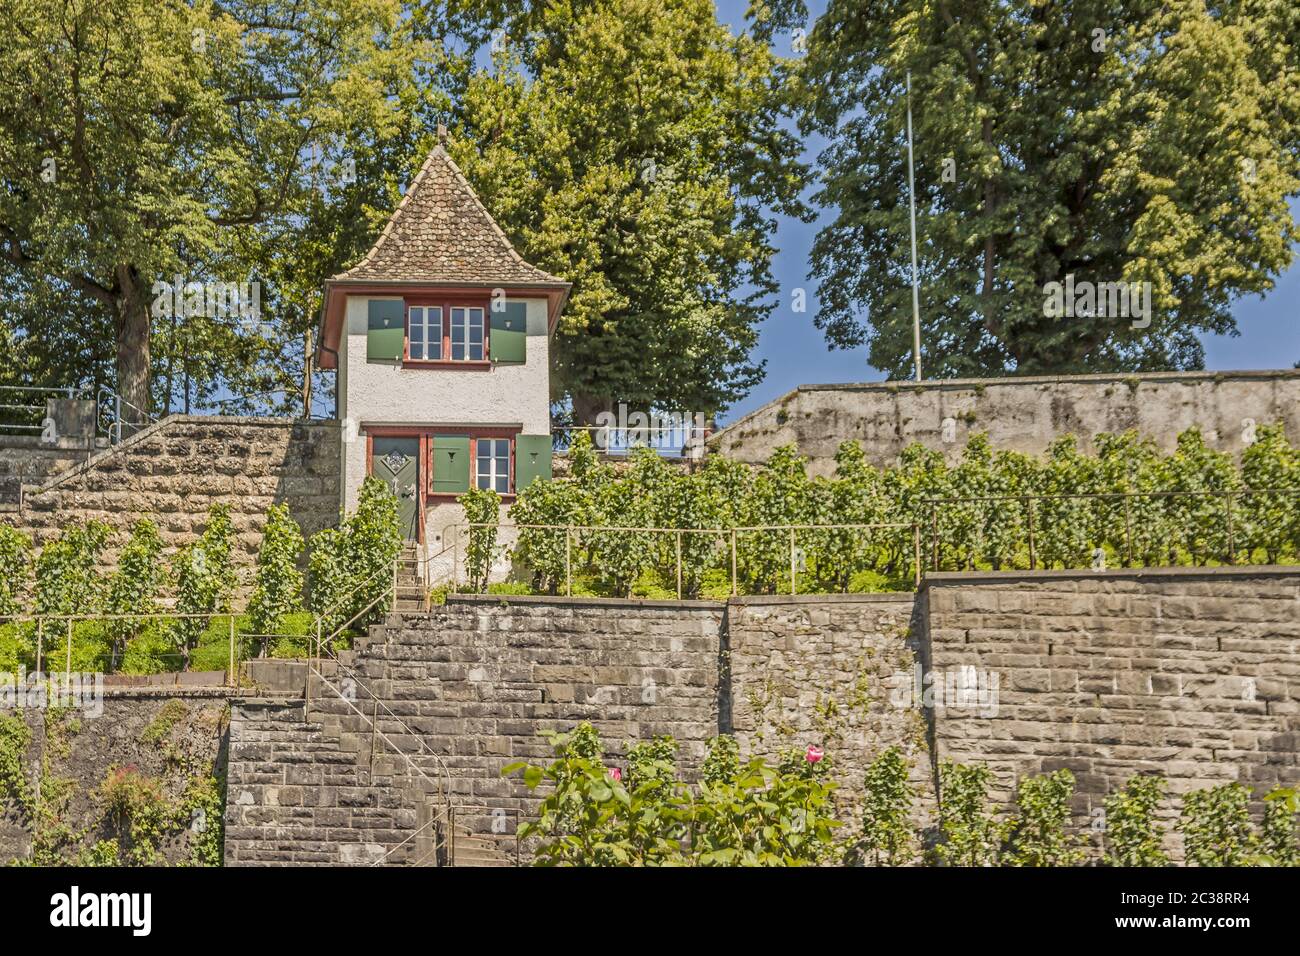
<point>441,232</point>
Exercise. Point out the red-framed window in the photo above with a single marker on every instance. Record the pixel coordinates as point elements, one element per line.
<point>450,331</point>
<point>491,459</point>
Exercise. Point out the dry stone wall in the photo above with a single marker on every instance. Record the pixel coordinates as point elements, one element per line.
<point>1192,674</point>
<point>172,739</point>
<point>1024,414</point>
<point>174,471</point>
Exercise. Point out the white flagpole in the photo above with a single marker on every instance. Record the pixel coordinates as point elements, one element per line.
<point>911,190</point>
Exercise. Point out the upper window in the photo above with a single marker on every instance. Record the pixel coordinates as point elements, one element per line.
<point>467,334</point>
<point>492,465</point>
<point>446,333</point>
<point>425,333</point>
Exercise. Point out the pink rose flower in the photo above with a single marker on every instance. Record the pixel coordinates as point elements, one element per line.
<point>615,773</point>
<point>814,753</point>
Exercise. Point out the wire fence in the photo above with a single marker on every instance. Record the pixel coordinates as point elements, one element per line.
<point>1114,529</point>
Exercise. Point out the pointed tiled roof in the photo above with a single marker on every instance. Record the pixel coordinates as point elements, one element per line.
<point>440,232</point>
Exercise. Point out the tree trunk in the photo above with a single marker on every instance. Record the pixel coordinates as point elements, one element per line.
<point>587,407</point>
<point>132,348</point>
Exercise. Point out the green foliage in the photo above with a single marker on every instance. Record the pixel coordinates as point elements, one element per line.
<point>737,816</point>
<point>15,568</point>
<point>351,567</point>
<point>277,591</point>
<point>137,809</point>
<point>205,578</point>
<point>15,738</point>
<point>203,810</point>
<point>1038,837</point>
<point>1215,824</point>
<point>482,507</point>
<point>1133,836</point>
<point>1156,116</point>
<point>67,571</point>
<point>654,213</point>
<point>134,585</point>
<point>1076,508</point>
<point>1279,840</point>
<point>887,837</point>
<point>169,715</point>
<point>971,835</point>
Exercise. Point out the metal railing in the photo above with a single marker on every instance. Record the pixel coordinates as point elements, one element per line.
<point>19,413</point>
<point>64,638</point>
<point>114,415</point>
<point>731,535</point>
<point>1034,523</point>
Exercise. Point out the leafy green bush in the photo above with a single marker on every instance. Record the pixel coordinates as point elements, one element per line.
<point>971,834</point>
<point>205,579</point>
<point>67,571</point>
<point>277,590</point>
<point>1278,839</point>
<point>738,816</point>
<point>1215,824</point>
<point>351,567</point>
<point>482,507</point>
<point>1133,836</point>
<point>15,568</point>
<point>887,836</point>
<point>133,586</point>
<point>1039,837</point>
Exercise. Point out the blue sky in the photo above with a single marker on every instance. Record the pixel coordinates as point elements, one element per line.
<point>796,351</point>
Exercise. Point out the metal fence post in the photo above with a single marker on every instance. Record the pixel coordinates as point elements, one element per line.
<point>40,640</point>
<point>794,588</point>
<point>679,565</point>
<point>916,549</point>
<point>568,561</point>
<point>1128,528</point>
<point>231,679</point>
<point>68,671</point>
<point>1032,556</point>
<point>735,590</point>
<point>1232,550</point>
<point>934,537</point>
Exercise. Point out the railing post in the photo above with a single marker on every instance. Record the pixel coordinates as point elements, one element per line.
<point>735,584</point>
<point>1232,550</point>
<point>934,537</point>
<point>40,640</point>
<point>68,670</point>
<point>568,562</point>
<point>1032,556</point>
<point>794,588</point>
<point>1128,528</point>
<point>679,565</point>
<point>232,678</point>
<point>916,551</point>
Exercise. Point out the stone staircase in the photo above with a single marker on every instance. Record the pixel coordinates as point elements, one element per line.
<point>439,701</point>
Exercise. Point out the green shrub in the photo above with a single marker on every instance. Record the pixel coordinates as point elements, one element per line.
<point>1039,835</point>
<point>1215,824</point>
<point>971,835</point>
<point>134,585</point>
<point>15,569</point>
<point>887,837</point>
<point>205,579</point>
<point>1133,836</point>
<point>482,507</point>
<point>351,568</point>
<point>1279,841</point>
<point>67,571</point>
<point>277,590</point>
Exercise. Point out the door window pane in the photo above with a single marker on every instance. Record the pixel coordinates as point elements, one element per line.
<point>492,464</point>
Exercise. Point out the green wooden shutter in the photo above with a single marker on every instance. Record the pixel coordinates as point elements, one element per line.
<point>509,339</point>
<point>532,459</point>
<point>386,331</point>
<point>451,464</point>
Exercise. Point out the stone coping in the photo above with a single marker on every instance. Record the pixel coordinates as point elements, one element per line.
<point>563,600</point>
<point>961,578</point>
<point>1012,381</point>
<point>900,597</point>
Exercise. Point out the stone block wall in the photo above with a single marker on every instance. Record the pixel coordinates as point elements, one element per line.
<point>1193,674</point>
<point>173,738</point>
<point>175,470</point>
<point>476,682</point>
<point>1024,414</point>
<point>828,670</point>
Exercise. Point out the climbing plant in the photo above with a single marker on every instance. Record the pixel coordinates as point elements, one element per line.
<point>277,588</point>
<point>1133,836</point>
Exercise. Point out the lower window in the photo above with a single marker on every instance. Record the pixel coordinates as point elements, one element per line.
<point>492,464</point>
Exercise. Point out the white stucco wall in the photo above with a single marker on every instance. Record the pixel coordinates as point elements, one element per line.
<point>373,393</point>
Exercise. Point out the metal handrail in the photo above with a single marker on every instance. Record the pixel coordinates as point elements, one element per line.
<point>727,532</point>
<point>113,430</point>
